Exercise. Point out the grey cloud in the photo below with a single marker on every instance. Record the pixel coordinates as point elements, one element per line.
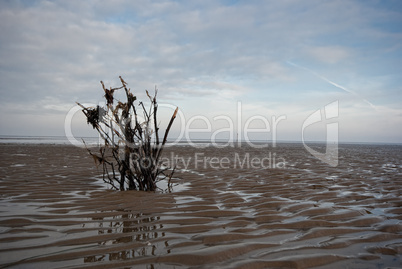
<point>61,49</point>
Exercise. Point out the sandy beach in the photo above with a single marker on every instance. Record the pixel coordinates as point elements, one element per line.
<point>291,211</point>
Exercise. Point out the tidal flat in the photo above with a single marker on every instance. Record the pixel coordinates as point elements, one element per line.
<point>232,207</point>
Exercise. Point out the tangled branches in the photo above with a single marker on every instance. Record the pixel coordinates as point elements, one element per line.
<point>131,150</point>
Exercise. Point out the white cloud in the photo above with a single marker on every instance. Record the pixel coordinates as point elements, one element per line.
<point>329,54</point>
<point>190,50</point>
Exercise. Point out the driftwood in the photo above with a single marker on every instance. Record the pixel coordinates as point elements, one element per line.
<point>131,149</point>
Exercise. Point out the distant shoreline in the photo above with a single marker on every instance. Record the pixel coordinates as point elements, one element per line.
<point>16,139</point>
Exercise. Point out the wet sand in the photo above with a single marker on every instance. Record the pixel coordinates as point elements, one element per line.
<point>295,212</point>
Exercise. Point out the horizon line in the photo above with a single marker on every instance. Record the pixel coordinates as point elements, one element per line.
<point>219,141</point>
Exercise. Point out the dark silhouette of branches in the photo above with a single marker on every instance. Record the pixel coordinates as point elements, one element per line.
<point>131,149</point>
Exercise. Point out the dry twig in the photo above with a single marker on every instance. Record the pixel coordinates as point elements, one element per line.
<point>128,144</point>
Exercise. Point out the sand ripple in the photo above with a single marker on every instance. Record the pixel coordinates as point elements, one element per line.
<point>56,213</point>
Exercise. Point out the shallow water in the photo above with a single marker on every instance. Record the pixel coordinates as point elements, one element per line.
<point>292,212</point>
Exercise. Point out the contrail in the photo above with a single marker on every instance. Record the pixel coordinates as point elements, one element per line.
<point>331,82</point>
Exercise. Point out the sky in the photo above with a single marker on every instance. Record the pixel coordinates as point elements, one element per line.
<point>230,66</point>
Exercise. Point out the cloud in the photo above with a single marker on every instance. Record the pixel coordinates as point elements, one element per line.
<point>55,53</point>
<point>329,55</point>
<point>333,83</point>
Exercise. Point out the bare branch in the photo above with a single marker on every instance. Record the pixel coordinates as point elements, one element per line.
<point>135,156</point>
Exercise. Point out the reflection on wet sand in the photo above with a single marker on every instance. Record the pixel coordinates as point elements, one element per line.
<point>134,228</point>
<point>56,213</point>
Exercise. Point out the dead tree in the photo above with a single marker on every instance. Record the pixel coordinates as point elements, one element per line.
<point>131,148</point>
